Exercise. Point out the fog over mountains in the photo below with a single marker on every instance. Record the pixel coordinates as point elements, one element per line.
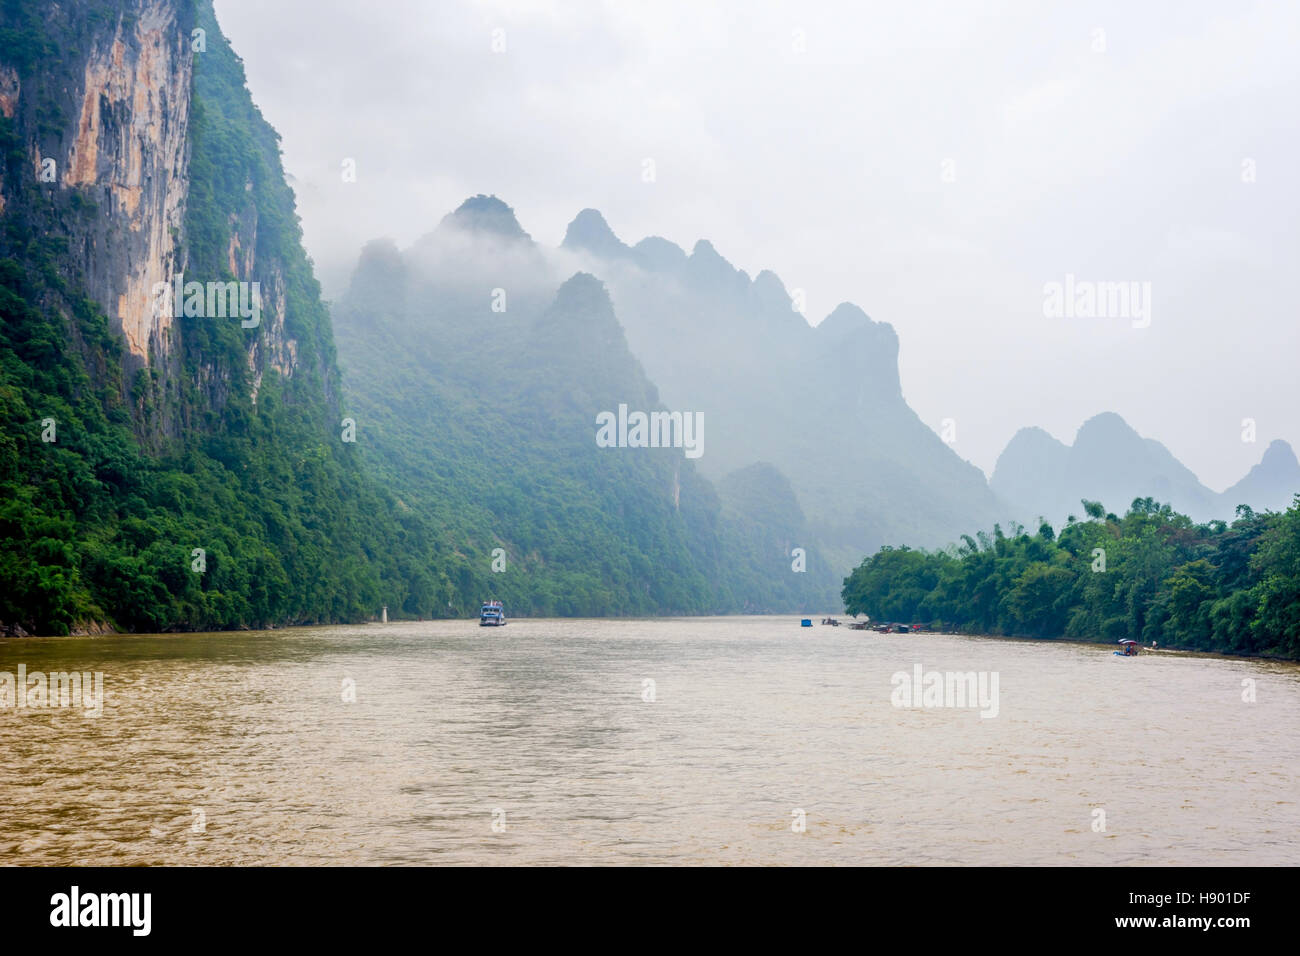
<point>478,368</point>
<point>819,408</point>
<point>822,404</point>
<point>810,421</point>
<point>942,209</point>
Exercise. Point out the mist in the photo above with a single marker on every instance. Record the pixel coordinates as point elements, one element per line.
<point>937,165</point>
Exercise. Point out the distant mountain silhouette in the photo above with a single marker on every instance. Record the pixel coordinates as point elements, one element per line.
<point>1271,484</point>
<point>1111,463</point>
<point>1031,475</point>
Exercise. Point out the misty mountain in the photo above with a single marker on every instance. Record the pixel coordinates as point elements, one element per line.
<point>1111,463</point>
<point>823,405</point>
<point>478,371</point>
<point>1269,485</point>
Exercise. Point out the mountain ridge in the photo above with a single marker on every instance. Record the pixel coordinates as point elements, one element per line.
<point>823,403</point>
<point>517,356</point>
<point>1110,462</point>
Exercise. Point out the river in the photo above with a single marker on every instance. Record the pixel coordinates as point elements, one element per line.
<point>744,740</point>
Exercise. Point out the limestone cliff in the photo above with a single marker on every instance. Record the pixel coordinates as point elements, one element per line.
<point>103,124</point>
<point>170,452</point>
<point>106,105</point>
<point>127,152</point>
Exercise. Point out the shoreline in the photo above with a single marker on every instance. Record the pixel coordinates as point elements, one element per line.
<point>1145,649</point>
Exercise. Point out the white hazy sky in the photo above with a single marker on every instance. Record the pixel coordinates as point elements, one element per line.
<point>1106,140</point>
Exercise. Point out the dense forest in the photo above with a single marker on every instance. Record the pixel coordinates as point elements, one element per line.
<point>1152,575</point>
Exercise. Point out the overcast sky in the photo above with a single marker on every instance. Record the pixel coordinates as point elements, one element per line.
<point>935,163</point>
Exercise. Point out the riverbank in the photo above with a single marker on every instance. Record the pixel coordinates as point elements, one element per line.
<point>1107,646</point>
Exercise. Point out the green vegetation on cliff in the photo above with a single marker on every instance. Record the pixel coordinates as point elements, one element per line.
<point>96,525</point>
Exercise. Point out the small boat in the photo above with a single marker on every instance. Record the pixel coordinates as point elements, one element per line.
<point>492,614</point>
<point>1130,648</point>
<point>831,621</point>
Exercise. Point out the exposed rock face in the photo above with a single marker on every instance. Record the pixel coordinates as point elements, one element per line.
<point>109,127</point>
<point>274,349</point>
<point>9,87</point>
<point>126,150</point>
